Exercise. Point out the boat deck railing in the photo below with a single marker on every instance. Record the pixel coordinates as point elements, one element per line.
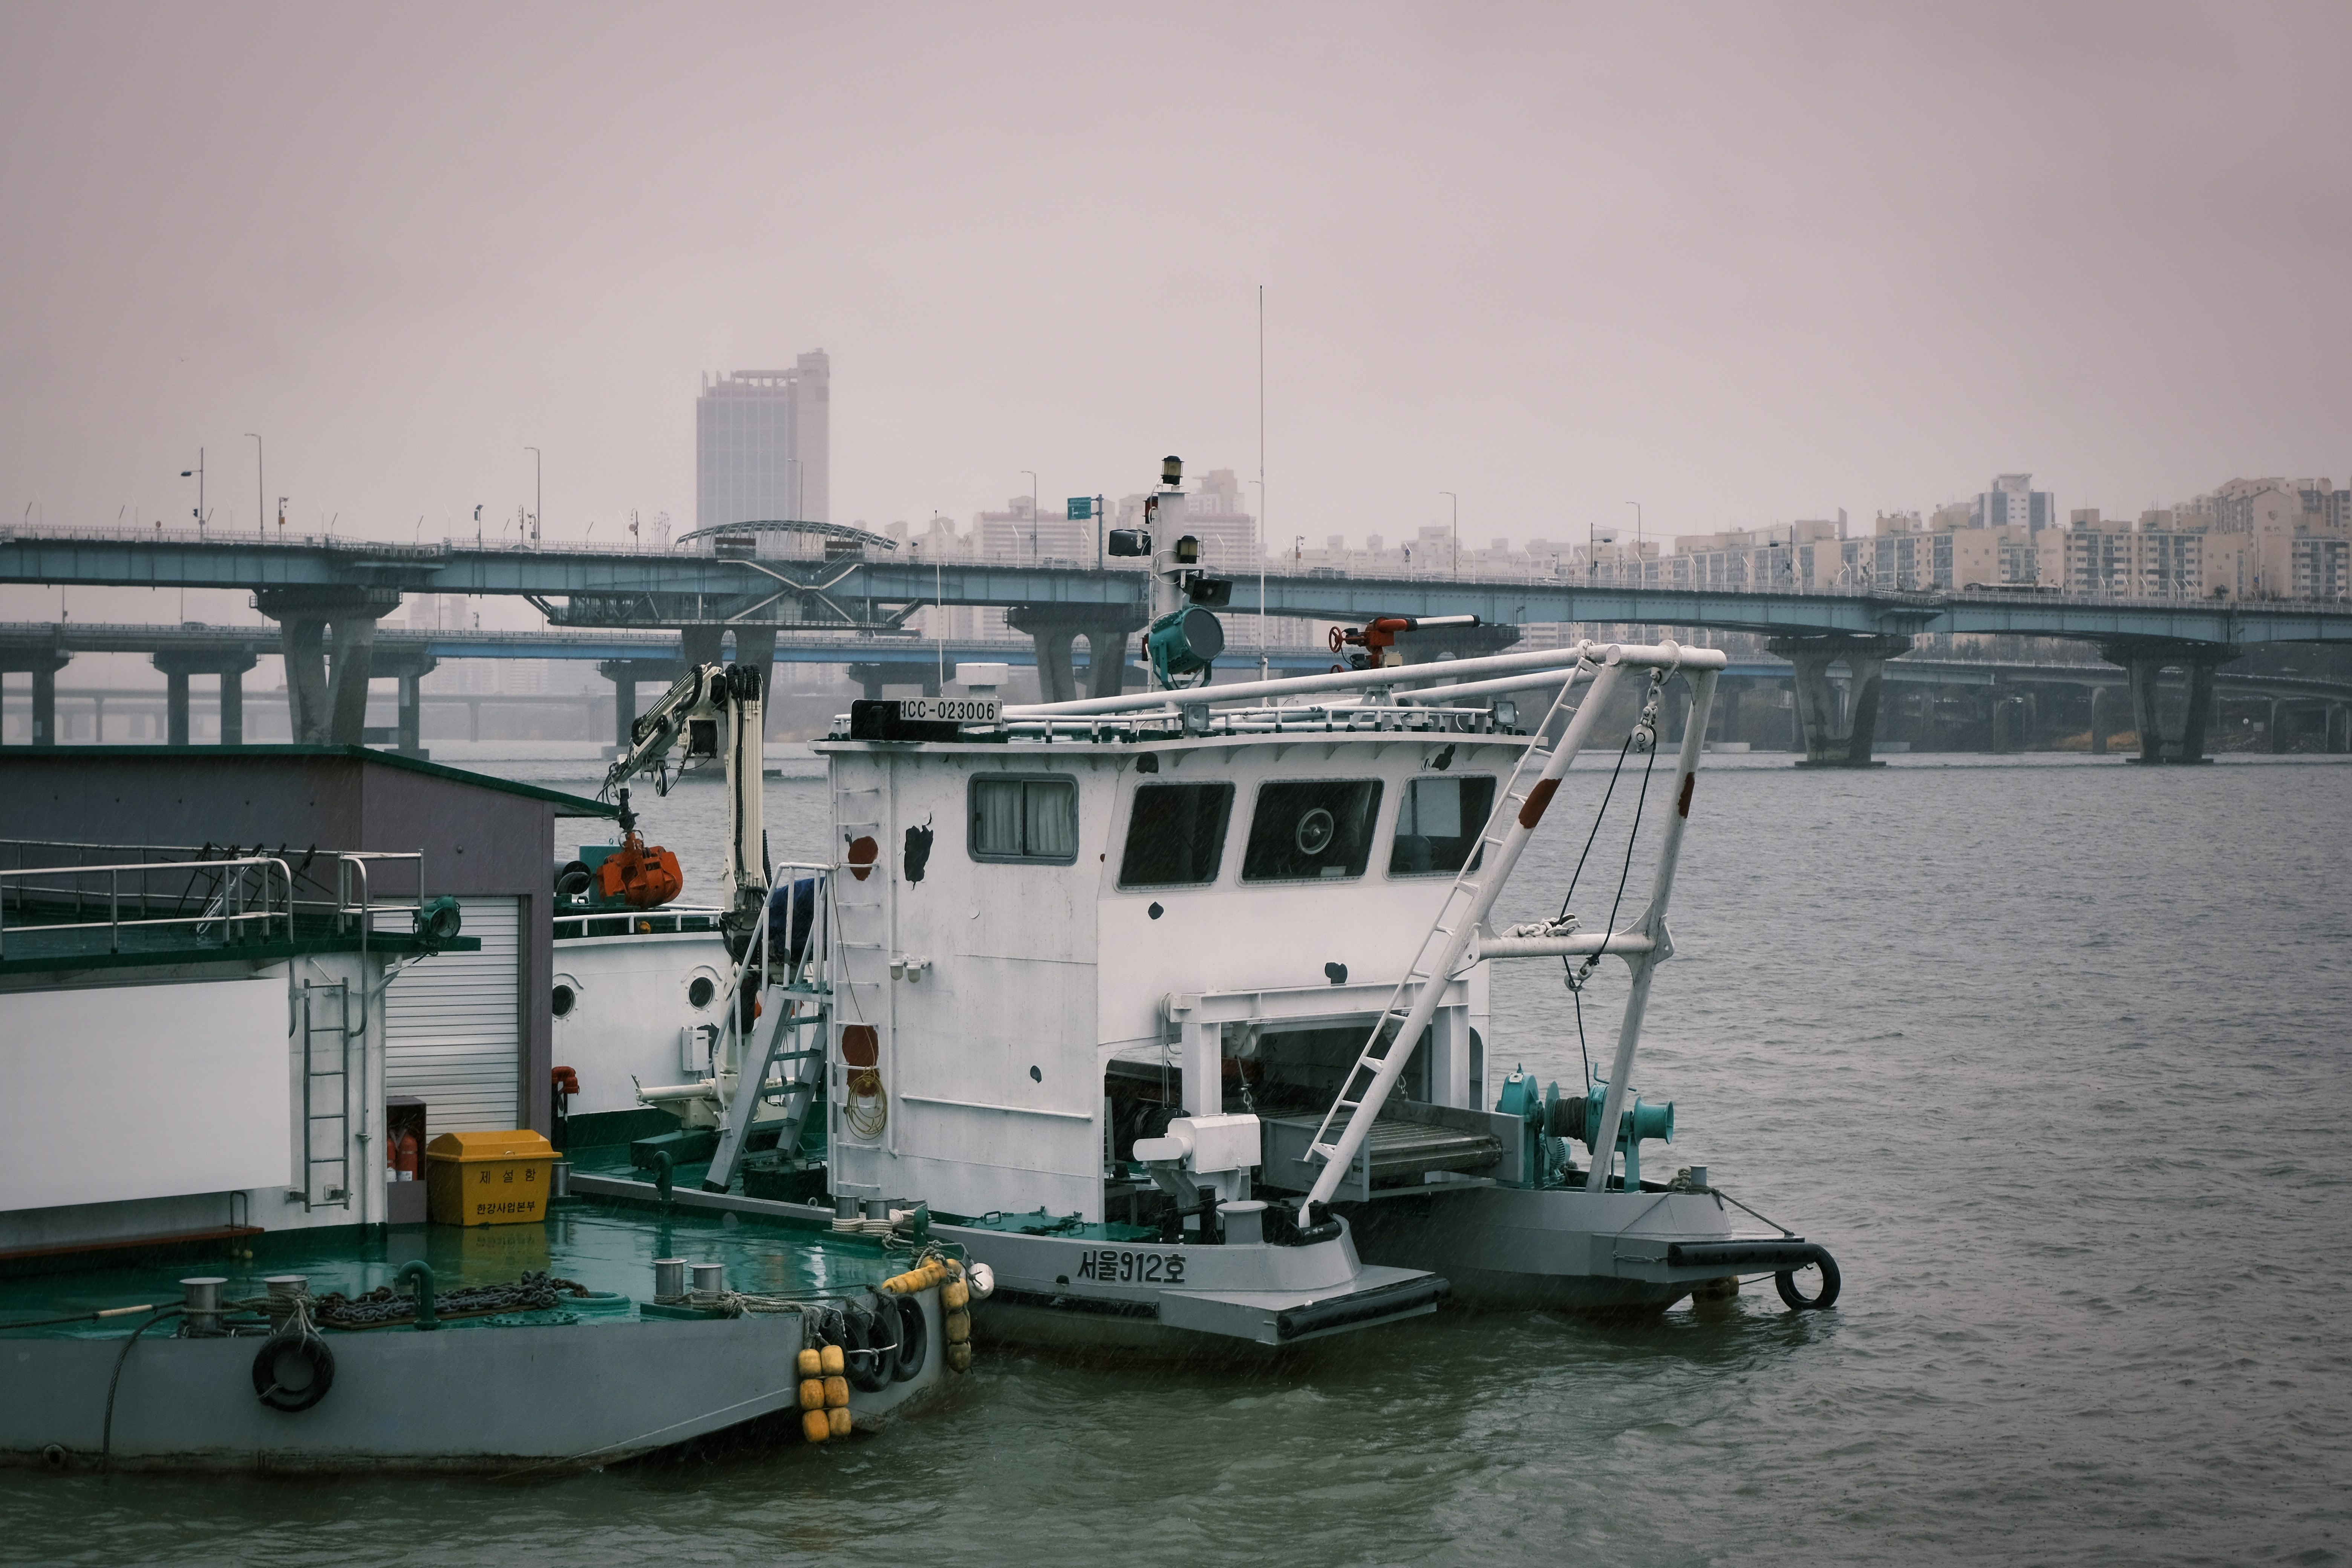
<point>66,900</point>
<point>667,920</point>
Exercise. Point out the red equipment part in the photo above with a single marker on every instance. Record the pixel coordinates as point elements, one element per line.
<point>640,876</point>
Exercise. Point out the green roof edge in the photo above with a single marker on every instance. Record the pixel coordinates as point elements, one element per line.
<point>572,805</point>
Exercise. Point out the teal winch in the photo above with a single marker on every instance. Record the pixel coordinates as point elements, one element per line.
<point>1551,1121</point>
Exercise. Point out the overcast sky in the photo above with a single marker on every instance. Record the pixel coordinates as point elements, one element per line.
<point>1740,264</point>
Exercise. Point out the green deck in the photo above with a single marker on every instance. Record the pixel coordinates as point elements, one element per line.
<point>605,1245</point>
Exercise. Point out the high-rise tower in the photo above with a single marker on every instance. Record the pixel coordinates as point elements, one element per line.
<point>762,444</point>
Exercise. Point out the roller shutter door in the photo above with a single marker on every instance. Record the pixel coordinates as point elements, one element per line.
<point>453,1026</point>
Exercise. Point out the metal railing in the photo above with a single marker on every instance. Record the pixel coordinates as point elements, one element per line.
<point>239,896</point>
<point>667,920</point>
<point>147,887</point>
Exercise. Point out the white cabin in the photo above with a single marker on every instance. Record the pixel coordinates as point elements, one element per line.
<point>1260,894</point>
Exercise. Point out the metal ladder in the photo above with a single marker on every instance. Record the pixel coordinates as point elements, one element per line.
<point>1413,1003</point>
<point>313,1080</point>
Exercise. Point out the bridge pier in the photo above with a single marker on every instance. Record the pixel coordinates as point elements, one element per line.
<point>408,666</point>
<point>328,712</point>
<point>42,664</point>
<point>2103,719</point>
<point>872,678</point>
<point>2339,729</point>
<point>1838,735</point>
<point>1053,627</point>
<point>2146,660</point>
<point>177,666</point>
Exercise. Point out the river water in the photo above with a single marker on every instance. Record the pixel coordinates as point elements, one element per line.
<point>2050,1052</point>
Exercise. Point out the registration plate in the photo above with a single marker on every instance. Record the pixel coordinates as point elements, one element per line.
<point>1117,1266</point>
<point>949,709</point>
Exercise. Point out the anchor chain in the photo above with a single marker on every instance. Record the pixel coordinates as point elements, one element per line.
<point>536,1292</point>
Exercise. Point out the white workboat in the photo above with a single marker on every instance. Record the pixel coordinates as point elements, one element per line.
<point>1158,1094</point>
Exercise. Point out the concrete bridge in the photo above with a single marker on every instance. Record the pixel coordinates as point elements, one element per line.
<point>330,593</point>
<point>1931,703</point>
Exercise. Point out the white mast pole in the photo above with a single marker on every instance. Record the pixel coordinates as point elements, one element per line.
<point>1654,926</point>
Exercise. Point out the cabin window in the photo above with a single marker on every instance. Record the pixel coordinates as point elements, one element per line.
<point>1030,819</point>
<point>1176,834</point>
<point>1310,829</point>
<point>1438,825</point>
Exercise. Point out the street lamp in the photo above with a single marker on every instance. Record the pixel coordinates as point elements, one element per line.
<point>260,492</point>
<point>538,491</point>
<point>197,474</point>
<point>1449,495</point>
<point>1033,516</point>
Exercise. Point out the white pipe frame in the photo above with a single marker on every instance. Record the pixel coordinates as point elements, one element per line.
<point>1559,664</point>
<point>1489,883</point>
<point>1486,883</point>
<point>1652,924</point>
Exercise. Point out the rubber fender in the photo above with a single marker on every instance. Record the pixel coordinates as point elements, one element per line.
<point>956,1327</point>
<point>812,1394</point>
<point>291,1352</point>
<point>914,1343</point>
<point>835,1391</point>
<point>815,1426</point>
<point>954,1295</point>
<point>809,1363</point>
<point>915,1279</point>
<point>867,1357</point>
<point>960,1358</point>
<point>1786,1283</point>
<point>830,1361</point>
<point>837,1421</point>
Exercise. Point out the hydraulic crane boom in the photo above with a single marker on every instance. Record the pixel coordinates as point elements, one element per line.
<point>713,713</point>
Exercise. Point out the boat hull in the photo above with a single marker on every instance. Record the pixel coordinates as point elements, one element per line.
<point>491,1401</point>
<point>1564,1249</point>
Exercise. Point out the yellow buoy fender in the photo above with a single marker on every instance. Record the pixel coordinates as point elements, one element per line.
<point>916,1279</point>
<point>957,1326</point>
<point>832,1361</point>
<point>812,1394</point>
<point>837,1392</point>
<point>815,1426</point>
<point>838,1420</point>
<point>810,1365</point>
<point>954,1295</point>
<point>960,1357</point>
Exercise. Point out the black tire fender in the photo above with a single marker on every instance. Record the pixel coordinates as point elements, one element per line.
<point>311,1360</point>
<point>1786,1283</point>
<point>914,1341</point>
<point>865,1353</point>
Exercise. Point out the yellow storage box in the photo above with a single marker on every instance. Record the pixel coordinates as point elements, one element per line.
<point>487,1178</point>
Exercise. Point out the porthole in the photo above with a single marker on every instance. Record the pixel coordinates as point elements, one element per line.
<point>701,991</point>
<point>561,1002</point>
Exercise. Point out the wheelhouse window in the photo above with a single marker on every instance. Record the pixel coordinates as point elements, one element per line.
<point>1438,825</point>
<point>1175,835</point>
<point>1024,819</point>
<point>1310,829</point>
